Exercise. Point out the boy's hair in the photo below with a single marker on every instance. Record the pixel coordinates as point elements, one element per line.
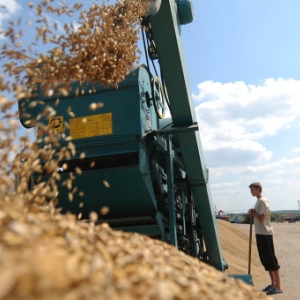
<point>256,185</point>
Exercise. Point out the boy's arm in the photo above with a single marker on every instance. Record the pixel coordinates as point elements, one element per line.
<point>259,217</point>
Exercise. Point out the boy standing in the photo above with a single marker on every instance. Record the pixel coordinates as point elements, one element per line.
<point>264,238</point>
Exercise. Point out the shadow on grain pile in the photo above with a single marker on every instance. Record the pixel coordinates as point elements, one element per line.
<point>46,255</point>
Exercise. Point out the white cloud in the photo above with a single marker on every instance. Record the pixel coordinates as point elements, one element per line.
<point>280,185</point>
<point>236,123</point>
<point>7,9</point>
<point>238,116</point>
<point>12,6</point>
<point>296,150</point>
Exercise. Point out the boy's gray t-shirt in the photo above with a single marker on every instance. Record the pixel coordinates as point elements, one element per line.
<point>262,207</point>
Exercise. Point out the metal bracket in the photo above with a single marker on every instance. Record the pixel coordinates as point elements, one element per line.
<point>181,129</point>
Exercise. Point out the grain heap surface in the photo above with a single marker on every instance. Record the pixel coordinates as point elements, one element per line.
<point>46,255</point>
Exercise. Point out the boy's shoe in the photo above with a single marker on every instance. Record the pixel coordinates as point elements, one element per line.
<point>273,291</point>
<point>267,288</point>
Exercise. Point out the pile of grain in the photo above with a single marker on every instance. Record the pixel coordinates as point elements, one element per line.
<point>46,255</point>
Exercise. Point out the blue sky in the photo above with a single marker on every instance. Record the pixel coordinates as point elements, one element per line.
<point>243,59</point>
<point>247,40</point>
<point>244,63</point>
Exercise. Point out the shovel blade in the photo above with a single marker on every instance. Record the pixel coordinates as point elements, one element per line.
<point>244,277</point>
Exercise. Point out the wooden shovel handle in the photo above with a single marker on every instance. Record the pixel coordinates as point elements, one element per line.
<point>250,244</point>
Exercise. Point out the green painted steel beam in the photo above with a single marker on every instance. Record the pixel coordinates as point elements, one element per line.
<point>166,34</point>
<point>167,37</point>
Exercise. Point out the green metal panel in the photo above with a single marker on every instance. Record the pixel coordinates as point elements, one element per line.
<point>150,230</point>
<point>131,118</point>
<point>129,193</point>
<point>120,157</point>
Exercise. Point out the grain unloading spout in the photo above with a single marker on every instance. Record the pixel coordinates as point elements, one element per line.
<point>184,9</point>
<point>154,8</point>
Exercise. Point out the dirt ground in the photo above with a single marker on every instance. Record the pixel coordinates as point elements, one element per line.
<point>235,244</point>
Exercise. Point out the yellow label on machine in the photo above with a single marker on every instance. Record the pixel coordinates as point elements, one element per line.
<point>96,125</point>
